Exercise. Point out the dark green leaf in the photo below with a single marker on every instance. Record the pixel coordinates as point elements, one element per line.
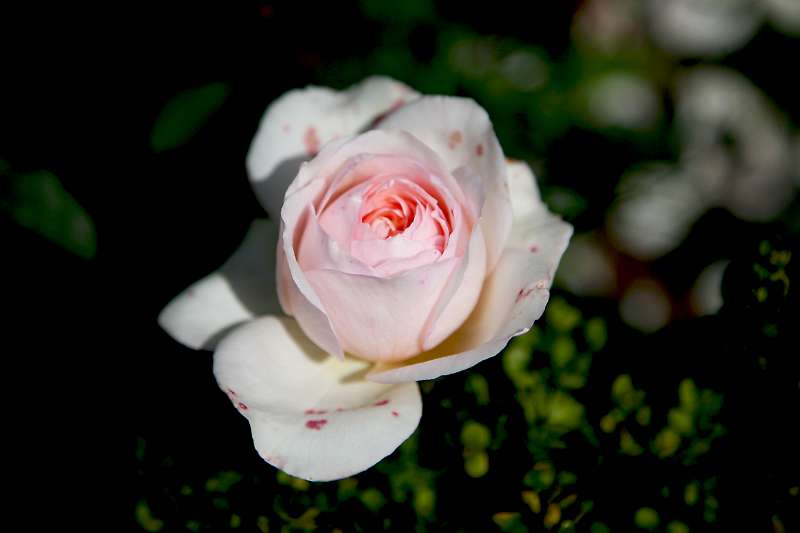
<point>185,114</point>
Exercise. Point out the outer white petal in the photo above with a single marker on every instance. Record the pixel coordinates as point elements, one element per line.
<point>526,202</point>
<point>298,123</point>
<point>513,297</point>
<point>460,132</point>
<point>243,288</point>
<point>312,416</point>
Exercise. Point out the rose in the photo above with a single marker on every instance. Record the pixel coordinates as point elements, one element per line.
<point>415,247</point>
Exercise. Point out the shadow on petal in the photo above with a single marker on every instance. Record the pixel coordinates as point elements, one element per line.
<point>271,190</point>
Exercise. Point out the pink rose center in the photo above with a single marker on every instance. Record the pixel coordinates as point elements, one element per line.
<point>395,206</point>
<point>390,213</point>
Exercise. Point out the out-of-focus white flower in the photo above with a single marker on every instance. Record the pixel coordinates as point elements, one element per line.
<point>654,211</point>
<point>608,24</point>
<point>645,305</point>
<point>624,100</point>
<point>796,169</point>
<point>702,27</point>
<point>587,268</point>
<point>706,295</point>
<point>689,28</point>
<point>525,70</point>
<point>735,142</point>
<point>736,153</point>
<point>784,15</point>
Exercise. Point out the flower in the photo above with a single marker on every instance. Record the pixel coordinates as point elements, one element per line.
<point>736,153</point>
<point>414,247</point>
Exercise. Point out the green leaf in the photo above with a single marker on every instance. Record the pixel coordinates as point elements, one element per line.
<point>687,392</point>
<point>692,493</point>
<point>509,522</point>
<point>533,500</point>
<point>710,402</point>
<point>681,421</point>
<point>677,527</point>
<point>515,360</point>
<point>628,444</point>
<point>552,516</point>
<point>571,380</point>
<point>624,393</point>
<point>373,499</point>
<point>565,413</point>
<point>475,436</point>
<point>643,415</point>
<point>185,114</point>
<point>646,518</point>
<point>224,481</point>
<point>666,442</point>
<point>565,479</point>
<point>565,202</point>
<point>39,203</point>
<point>609,422</point>
<point>145,518</point>
<point>479,387</point>
<point>596,334</point>
<point>622,386</point>
<point>562,316</point>
<point>563,351</point>
<point>476,464</point>
<point>424,501</point>
<point>541,476</point>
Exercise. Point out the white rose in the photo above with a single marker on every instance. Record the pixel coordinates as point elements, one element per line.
<point>408,242</point>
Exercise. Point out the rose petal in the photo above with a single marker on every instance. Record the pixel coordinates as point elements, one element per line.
<point>297,124</point>
<point>403,314</point>
<point>525,200</point>
<point>316,315</point>
<point>460,132</point>
<point>382,318</point>
<point>362,186</point>
<point>243,288</point>
<point>513,297</point>
<point>312,416</point>
<point>334,162</point>
<point>460,295</point>
<point>464,287</point>
<point>306,307</point>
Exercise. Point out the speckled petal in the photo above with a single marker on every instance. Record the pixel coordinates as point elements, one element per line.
<point>313,416</point>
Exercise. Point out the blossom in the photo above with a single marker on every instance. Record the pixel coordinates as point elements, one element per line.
<point>736,153</point>
<point>401,245</point>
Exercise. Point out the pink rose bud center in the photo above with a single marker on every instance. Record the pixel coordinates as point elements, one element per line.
<point>388,213</point>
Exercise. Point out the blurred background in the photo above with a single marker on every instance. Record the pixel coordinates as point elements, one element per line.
<point>660,390</point>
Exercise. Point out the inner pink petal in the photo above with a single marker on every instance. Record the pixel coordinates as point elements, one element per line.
<point>389,213</point>
<point>386,206</point>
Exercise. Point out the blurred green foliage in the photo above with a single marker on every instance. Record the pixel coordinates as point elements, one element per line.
<point>402,491</point>
<point>185,114</point>
<point>37,201</point>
